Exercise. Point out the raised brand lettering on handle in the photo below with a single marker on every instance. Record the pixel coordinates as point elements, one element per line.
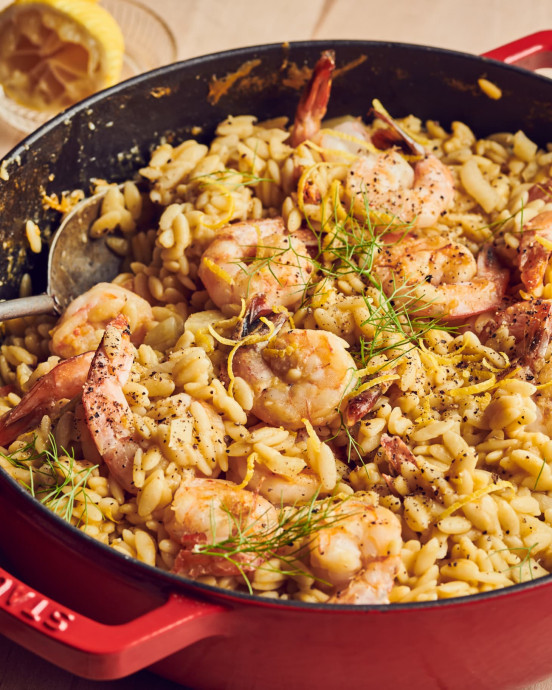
<point>22,601</point>
<point>59,620</point>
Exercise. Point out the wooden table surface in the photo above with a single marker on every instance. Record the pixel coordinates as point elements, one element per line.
<point>204,26</point>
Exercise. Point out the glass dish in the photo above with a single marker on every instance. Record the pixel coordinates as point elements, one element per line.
<point>149,43</point>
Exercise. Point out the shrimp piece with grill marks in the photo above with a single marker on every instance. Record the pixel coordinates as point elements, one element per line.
<point>256,257</point>
<point>438,277</point>
<point>296,375</point>
<point>64,381</point>
<point>208,511</point>
<point>82,324</point>
<point>530,324</point>
<point>356,553</point>
<point>106,410</point>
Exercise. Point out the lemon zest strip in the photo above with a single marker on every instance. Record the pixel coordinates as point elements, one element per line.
<point>450,358</point>
<point>313,437</point>
<point>217,270</point>
<point>332,195</point>
<point>251,339</point>
<point>499,486</point>
<point>376,381</point>
<point>476,387</point>
<point>543,386</point>
<point>251,458</point>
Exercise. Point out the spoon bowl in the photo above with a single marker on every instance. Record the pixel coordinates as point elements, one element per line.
<point>76,262</point>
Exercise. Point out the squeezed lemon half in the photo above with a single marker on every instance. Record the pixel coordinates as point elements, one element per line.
<point>53,53</point>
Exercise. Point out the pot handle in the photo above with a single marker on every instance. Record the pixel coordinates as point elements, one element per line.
<point>532,52</point>
<point>98,651</point>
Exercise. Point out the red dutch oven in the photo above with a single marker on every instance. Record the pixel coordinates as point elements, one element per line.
<point>100,615</point>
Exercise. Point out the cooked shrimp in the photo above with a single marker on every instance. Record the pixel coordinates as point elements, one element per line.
<point>371,585</point>
<point>299,374</point>
<point>278,489</point>
<point>355,552</point>
<point>64,381</point>
<point>438,277</point>
<point>377,183</point>
<point>385,183</point>
<point>255,257</point>
<point>106,410</point>
<point>530,324</point>
<point>81,326</point>
<point>314,100</point>
<point>208,511</point>
<point>535,250</point>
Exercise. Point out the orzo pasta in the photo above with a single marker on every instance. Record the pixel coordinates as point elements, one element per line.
<point>323,373</point>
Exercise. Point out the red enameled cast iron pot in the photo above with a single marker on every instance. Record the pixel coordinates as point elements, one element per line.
<point>100,615</point>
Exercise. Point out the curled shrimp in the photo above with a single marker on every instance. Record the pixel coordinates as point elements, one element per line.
<point>385,184</point>
<point>63,382</point>
<point>535,249</point>
<point>356,552</point>
<point>277,488</point>
<point>82,325</point>
<point>379,184</point>
<point>255,257</point>
<point>297,375</point>
<point>209,511</point>
<point>439,277</point>
<point>106,410</point>
<point>414,194</point>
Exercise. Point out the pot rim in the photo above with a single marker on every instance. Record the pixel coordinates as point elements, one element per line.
<point>177,582</point>
<point>28,141</point>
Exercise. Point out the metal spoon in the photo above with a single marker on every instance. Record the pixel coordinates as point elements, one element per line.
<point>75,263</point>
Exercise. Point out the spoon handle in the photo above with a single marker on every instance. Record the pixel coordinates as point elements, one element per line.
<point>27,306</point>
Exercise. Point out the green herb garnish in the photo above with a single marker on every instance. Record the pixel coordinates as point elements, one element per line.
<point>54,479</point>
<point>288,540</point>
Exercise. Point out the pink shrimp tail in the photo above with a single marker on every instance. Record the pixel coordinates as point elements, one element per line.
<point>397,451</point>
<point>359,406</point>
<point>314,100</point>
<point>66,380</point>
